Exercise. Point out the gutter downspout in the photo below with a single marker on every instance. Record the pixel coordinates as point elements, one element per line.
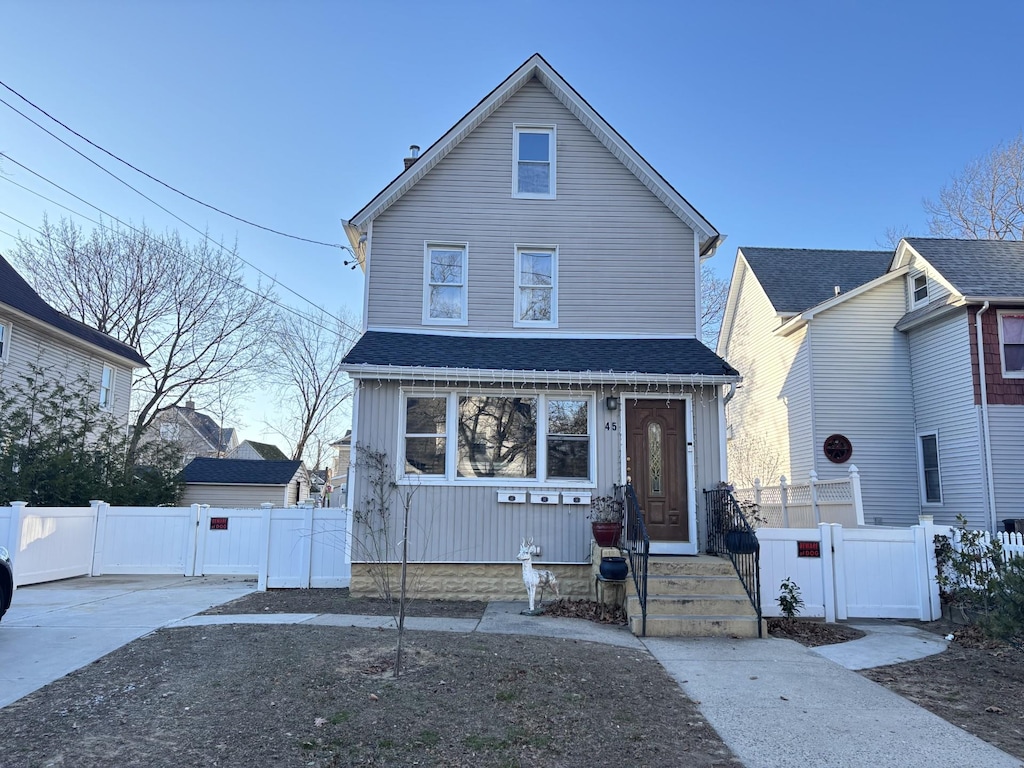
<point>986,435</point>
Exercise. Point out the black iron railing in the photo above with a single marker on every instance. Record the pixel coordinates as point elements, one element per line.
<point>730,533</point>
<point>638,545</point>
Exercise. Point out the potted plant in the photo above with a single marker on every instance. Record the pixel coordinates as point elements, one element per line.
<point>739,539</point>
<point>606,520</point>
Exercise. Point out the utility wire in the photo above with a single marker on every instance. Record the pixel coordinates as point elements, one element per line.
<point>158,181</point>
<point>129,226</point>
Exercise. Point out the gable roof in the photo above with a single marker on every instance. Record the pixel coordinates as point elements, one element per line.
<point>16,293</point>
<point>208,429</point>
<point>386,353</point>
<point>975,268</point>
<point>240,471</point>
<point>266,450</point>
<point>536,67</point>
<point>796,279</point>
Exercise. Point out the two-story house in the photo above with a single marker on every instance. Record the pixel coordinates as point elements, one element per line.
<point>35,335</point>
<point>871,358</point>
<point>197,434</point>
<point>531,338</point>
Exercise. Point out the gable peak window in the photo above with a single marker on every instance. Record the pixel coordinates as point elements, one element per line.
<point>920,288</point>
<point>1011,344</point>
<point>536,286</point>
<point>533,161</point>
<point>444,289</point>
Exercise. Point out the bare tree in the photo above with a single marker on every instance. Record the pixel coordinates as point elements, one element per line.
<point>986,199</point>
<point>183,307</point>
<point>714,293</point>
<point>308,378</point>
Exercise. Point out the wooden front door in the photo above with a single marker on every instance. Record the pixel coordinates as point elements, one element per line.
<point>656,461</point>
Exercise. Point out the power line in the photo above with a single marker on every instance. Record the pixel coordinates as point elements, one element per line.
<point>183,255</point>
<point>159,181</point>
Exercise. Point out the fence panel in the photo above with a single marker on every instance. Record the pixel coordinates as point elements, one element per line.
<point>287,548</point>
<point>50,543</point>
<point>233,549</point>
<point>812,575</point>
<point>330,565</point>
<point>883,574</point>
<point>143,540</point>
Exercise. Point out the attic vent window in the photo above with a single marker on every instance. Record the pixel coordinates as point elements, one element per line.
<point>838,448</point>
<point>533,162</point>
<point>920,288</point>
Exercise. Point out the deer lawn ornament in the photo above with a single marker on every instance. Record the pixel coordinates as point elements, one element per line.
<point>535,577</point>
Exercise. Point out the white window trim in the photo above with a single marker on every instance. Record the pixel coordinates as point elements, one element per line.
<point>551,131</point>
<point>110,389</point>
<point>914,301</point>
<point>517,302</point>
<point>1000,314</point>
<point>451,477</point>
<point>5,350</point>
<point>439,244</point>
<point>920,467</point>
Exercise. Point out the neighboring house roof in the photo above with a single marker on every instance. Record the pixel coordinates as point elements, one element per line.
<point>265,451</point>
<point>976,268</point>
<point>16,293</point>
<point>240,471</point>
<point>208,429</point>
<point>345,441</point>
<point>535,67</point>
<point>796,279</point>
<point>677,357</point>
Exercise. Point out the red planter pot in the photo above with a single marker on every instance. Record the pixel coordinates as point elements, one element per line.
<point>606,534</point>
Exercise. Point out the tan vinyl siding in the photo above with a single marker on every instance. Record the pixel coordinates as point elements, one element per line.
<point>240,496</point>
<point>769,415</point>
<point>464,522</point>
<point>1006,430</point>
<point>625,262</point>
<point>31,345</point>
<point>940,358</point>
<point>861,391</point>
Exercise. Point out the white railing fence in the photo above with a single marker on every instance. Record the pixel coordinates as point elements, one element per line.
<point>294,547</point>
<point>805,505</point>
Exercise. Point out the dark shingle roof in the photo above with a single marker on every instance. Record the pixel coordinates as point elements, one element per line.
<point>268,451</point>
<point>240,471</point>
<point>991,268</point>
<point>796,279</point>
<point>644,356</point>
<point>17,293</point>
<point>206,427</point>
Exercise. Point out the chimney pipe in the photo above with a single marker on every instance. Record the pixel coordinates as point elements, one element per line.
<point>414,154</point>
<point>190,405</point>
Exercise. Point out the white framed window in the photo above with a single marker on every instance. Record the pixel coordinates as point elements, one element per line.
<point>444,283</point>
<point>919,288</point>
<point>928,466</point>
<point>1011,344</point>
<point>480,437</point>
<point>5,341</point>
<point>107,388</point>
<point>536,301</point>
<point>533,161</point>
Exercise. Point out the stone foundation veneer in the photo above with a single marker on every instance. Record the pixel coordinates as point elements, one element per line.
<point>472,581</point>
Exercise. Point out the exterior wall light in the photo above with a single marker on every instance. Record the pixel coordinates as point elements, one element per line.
<point>611,403</point>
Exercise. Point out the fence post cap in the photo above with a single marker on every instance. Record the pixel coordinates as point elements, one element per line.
<point>854,470</point>
<point>814,475</point>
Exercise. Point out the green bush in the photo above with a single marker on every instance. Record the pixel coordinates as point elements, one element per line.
<point>1006,620</point>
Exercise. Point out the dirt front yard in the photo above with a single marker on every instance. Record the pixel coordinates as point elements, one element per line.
<point>300,695</point>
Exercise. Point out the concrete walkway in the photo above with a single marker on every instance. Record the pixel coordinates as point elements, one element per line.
<point>774,702</point>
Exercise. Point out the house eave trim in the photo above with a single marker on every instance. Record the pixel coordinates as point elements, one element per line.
<point>581,378</point>
<point>36,322</point>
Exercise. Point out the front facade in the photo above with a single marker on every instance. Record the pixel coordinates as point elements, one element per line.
<point>531,335</point>
<point>33,335</point>
<point>885,368</point>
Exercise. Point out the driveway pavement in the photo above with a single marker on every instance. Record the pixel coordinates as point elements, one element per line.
<point>53,629</point>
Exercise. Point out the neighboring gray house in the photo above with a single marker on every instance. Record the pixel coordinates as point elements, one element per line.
<point>880,349</point>
<point>250,449</point>
<point>532,322</point>
<point>195,432</point>
<point>32,333</point>
<point>244,483</point>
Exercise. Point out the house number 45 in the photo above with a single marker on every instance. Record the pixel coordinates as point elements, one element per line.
<point>612,425</point>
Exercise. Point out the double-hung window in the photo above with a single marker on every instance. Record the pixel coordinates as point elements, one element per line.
<point>107,388</point>
<point>920,288</point>
<point>444,300</point>
<point>536,286</point>
<point>530,438</point>
<point>931,483</point>
<point>533,161</point>
<point>5,341</point>
<point>1011,344</point>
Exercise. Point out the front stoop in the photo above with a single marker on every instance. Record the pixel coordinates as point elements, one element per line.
<point>692,597</point>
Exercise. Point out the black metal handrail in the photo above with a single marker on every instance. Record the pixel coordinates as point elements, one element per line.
<point>638,545</point>
<point>730,533</point>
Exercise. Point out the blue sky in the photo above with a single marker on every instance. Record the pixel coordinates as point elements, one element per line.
<point>788,124</point>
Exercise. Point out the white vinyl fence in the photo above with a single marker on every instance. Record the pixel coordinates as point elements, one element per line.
<point>294,547</point>
<point>805,505</point>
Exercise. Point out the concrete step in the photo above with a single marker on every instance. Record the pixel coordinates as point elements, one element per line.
<point>702,626</point>
<point>684,606</point>
<point>695,585</point>
<point>700,565</point>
